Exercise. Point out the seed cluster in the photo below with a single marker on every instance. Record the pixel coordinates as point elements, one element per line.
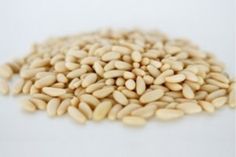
<point>127,75</point>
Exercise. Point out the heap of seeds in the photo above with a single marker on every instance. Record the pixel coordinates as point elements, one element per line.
<point>120,75</point>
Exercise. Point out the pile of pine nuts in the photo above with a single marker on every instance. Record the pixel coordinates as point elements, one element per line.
<point>127,75</point>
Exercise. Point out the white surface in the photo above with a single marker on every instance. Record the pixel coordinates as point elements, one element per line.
<point>210,23</point>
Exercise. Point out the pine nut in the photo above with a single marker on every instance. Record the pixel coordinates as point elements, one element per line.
<point>151,96</point>
<point>4,88</point>
<point>134,121</point>
<point>189,107</point>
<point>53,91</point>
<point>52,107</point>
<point>76,115</point>
<point>169,114</point>
<point>101,110</point>
<point>120,98</point>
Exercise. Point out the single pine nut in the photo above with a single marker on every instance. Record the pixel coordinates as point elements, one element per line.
<point>188,92</point>
<point>140,85</point>
<point>175,78</point>
<point>89,99</point>
<point>189,107</point>
<point>45,81</point>
<point>6,71</point>
<point>208,107</point>
<point>120,98</point>
<point>63,107</point>
<point>169,114</point>
<point>28,106</point>
<point>134,121</point>
<point>86,110</point>
<point>104,92</point>
<point>101,110</point>
<point>76,114</point>
<point>151,96</point>
<point>113,112</point>
<point>52,107</point>
<point>127,110</point>
<point>4,88</point>
<point>53,91</point>
<point>136,56</point>
<point>40,104</point>
<point>89,79</point>
<point>145,112</point>
<point>130,84</point>
<point>220,101</point>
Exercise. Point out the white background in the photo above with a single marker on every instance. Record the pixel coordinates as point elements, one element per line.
<point>210,23</point>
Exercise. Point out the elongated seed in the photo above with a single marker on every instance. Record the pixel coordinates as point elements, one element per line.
<point>101,110</point>
<point>86,110</point>
<point>53,91</point>
<point>104,92</point>
<point>169,114</point>
<point>189,107</point>
<point>52,107</point>
<point>120,98</point>
<point>140,85</point>
<point>232,98</point>
<point>136,56</point>
<point>98,69</point>
<point>89,79</point>
<point>28,106</point>
<point>45,81</point>
<point>208,107</point>
<point>113,74</point>
<point>113,112</point>
<point>110,56</point>
<point>215,94</point>
<point>93,87</point>
<point>89,99</point>
<point>76,114</point>
<point>188,92</point>
<point>127,110</point>
<point>27,86</point>
<point>145,112</point>
<point>175,78</point>
<point>6,71</point>
<point>40,104</point>
<point>220,101</point>
<point>76,73</point>
<point>151,96</point>
<point>122,65</point>
<point>134,121</point>
<point>4,88</point>
<point>63,107</point>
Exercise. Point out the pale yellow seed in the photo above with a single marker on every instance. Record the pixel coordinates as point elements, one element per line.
<point>217,83</point>
<point>130,84</point>
<point>89,60</point>
<point>62,78</point>
<point>76,73</point>
<point>42,96</point>
<point>102,110</point>
<point>52,107</point>
<point>4,88</point>
<point>104,92</point>
<point>169,114</point>
<point>208,107</point>
<point>175,78</point>
<point>219,77</point>
<point>139,72</point>
<point>109,66</point>
<point>140,85</point>
<point>188,92</point>
<point>63,107</point>
<point>120,81</point>
<point>45,81</point>
<point>27,86</point>
<point>190,76</point>
<point>127,110</point>
<point>53,91</point>
<point>122,65</point>
<point>5,71</point>
<point>153,70</point>
<point>28,106</point>
<point>134,121</point>
<point>89,99</point>
<point>40,104</point>
<point>189,107</point>
<point>113,112</point>
<point>29,73</point>
<point>40,63</point>
<point>161,78</point>
<point>151,96</point>
<point>145,112</point>
<point>216,94</point>
<point>18,87</point>
<point>98,69</point>
<point>174,86</point>
<point>129,93</point>
<point>128,75</point>
<point>220,101</point>
<point>120,98</point>
<point>76,114</point>
<point>110,56</point>
<point>74,101</point>
<point>93,87</point>
<point>113,74</point>
<point>89,79</point>
<point>86,110</point>
<point>136,56</point>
